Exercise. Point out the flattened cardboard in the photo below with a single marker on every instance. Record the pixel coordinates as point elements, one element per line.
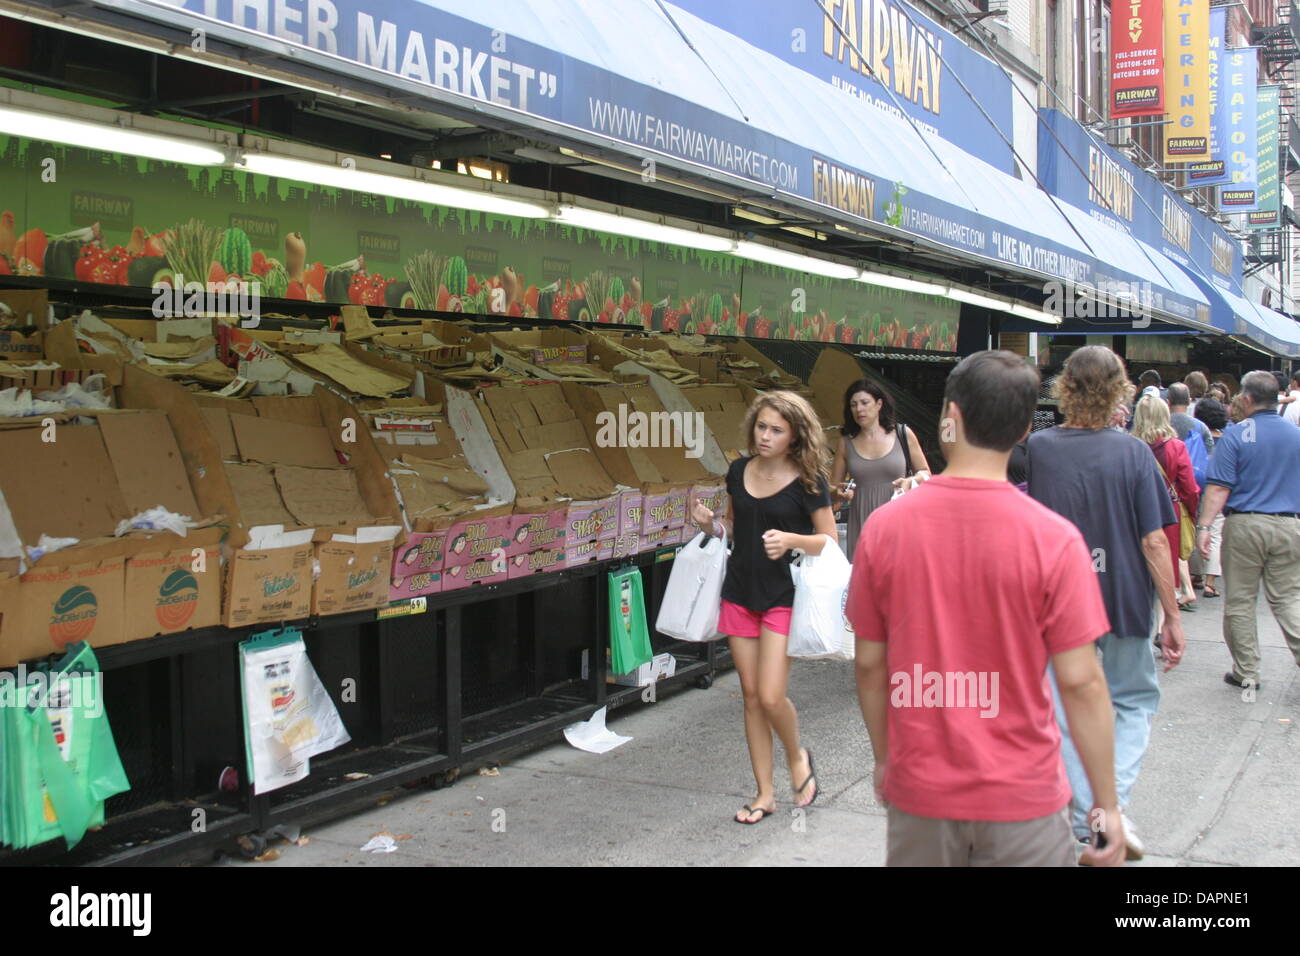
<point>353,443</point>
<point>223,431</point>
<point>256,495</point>
<point>422,499</point>
<point>274,442</point>
<point>578,475</point>
<point>557,436</point>
<point>234,406</point>
<point>299,409</point>
<point>532,476</point>
<point>321,496</point>
<point>270,585</point>
<point>48,485</point>
<point>148,462</point>
<point>354,375</point>
<point>833,372</point>
<point>455,476</point>
<point>199,449</point>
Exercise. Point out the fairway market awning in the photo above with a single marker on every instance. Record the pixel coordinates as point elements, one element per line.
<point>696,97</point>
<point>1233,313</point>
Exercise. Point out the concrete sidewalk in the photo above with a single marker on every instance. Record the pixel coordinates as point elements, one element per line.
<point>1217,788</point>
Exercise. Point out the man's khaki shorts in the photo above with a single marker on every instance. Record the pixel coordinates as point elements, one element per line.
<point>921,841</point>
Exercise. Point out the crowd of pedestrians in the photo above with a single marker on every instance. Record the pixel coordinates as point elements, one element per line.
<point>1012,613</point>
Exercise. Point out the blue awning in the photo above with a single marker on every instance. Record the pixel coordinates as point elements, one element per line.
<point>694,97</point>
<point>1233,313</point>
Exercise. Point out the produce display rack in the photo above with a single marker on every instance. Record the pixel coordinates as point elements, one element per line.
<point>426,708</point>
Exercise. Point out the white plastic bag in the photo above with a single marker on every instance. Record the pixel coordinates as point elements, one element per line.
<point>693,599</point>
<point>817,624</point>
<point>289,715</point>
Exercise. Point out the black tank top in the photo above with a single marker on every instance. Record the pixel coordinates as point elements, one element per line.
<point>755,581</point>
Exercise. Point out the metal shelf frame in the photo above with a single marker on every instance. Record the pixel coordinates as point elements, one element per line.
<point>197,729</point>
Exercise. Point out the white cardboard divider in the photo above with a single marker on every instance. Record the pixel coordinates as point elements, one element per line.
<point>480,451</point>
<point>674,401</point>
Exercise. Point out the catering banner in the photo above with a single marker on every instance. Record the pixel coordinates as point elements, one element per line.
<point>1240,76</point>
<point>911,64</point>
<point>1268,213</point>
<point>1187,80</point>
<point>1214,172</point>
<point>1137,58</point>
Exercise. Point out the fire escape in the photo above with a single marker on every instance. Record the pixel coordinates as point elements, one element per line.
<point>1280,48</point>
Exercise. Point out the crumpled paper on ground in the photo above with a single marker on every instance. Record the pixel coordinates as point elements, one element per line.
<point>593,736</point>
<point>380,844</point>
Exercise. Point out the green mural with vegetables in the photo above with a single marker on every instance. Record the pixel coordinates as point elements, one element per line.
<point>113,220</point>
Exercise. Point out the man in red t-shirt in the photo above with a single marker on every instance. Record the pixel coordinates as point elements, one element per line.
<point>962,591</point>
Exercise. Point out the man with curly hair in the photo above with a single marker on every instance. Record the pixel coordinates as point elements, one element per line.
<point>1108,484</point>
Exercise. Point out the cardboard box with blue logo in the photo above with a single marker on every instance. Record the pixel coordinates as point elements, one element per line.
<point>76,566</point>
<point>311,512</point>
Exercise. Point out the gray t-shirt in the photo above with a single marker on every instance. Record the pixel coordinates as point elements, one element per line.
<point>1184,423</point>
<point>1108,484</point>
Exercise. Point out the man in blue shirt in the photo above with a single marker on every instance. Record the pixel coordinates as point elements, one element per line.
<point>1252,477</point>
<point>1109,485</point>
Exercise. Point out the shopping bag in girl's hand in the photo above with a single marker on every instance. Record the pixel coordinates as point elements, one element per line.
<point>817,625</point>
<point>693,599</point>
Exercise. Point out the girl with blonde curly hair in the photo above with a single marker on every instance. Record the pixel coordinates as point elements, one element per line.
<point>779,501</point>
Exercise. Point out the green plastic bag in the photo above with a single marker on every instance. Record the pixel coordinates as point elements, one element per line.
<point>60,761</point>
<point>629,636</point>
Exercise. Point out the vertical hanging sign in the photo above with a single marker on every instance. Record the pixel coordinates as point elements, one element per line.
<point>1137,58</point>
<point>1187,80</point>
<point>1268,212</point>
<point>1240,74</point>
<point>1215,171</point>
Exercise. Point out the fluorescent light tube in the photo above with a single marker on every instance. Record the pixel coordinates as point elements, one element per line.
<point>976,298</point>
<point>641,229</point>
<point>793,260</point>
<point>1034,315</point>
<point>888,281</point>
<point>399,187</point>
<point>113,139</point>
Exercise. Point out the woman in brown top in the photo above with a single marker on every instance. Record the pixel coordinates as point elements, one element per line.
<point>870,453</point>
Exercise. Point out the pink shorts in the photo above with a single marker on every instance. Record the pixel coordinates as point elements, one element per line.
<point>742,622</point>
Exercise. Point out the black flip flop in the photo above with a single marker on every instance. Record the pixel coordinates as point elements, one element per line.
<point>763,810</point>
<point>812,778</point>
